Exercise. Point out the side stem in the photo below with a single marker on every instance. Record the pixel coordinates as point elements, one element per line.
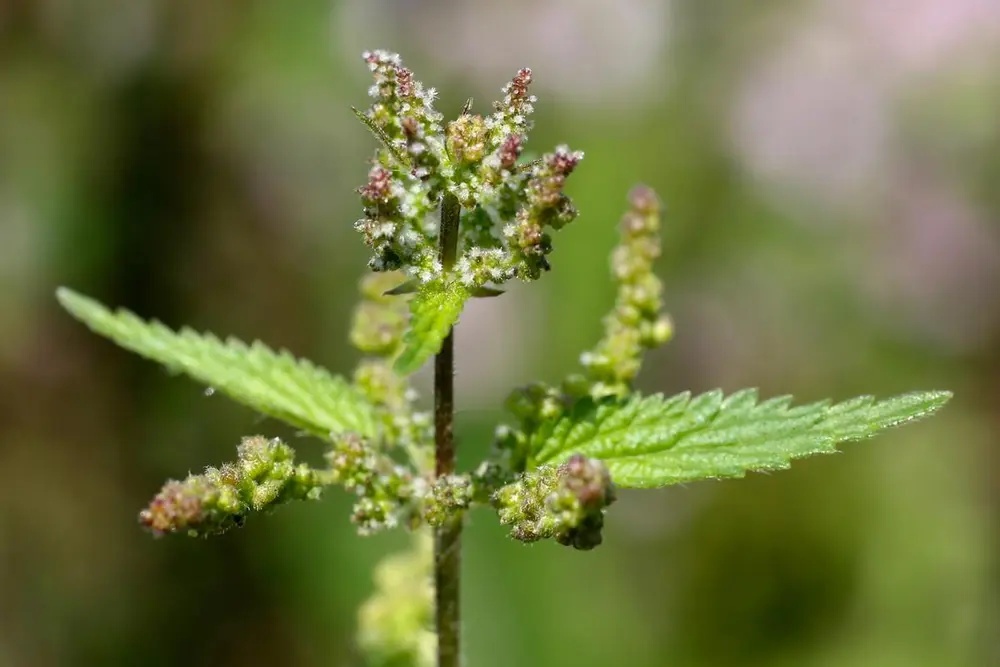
<point>447,538</point>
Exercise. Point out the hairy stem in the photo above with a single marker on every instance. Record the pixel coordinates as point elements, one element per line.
<point>447,538</point>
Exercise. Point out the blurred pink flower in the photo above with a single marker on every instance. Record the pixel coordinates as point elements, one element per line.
<point>816,112</point>
<point>819,116</point>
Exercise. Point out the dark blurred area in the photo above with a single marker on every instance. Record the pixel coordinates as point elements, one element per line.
<point>829,169</point>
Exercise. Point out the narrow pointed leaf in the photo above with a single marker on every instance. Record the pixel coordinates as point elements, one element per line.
<point>434,310</point>
<point>273,383</point>
<point>485,292</point>
<point>656,441</point>
<point>382,137</point>
<point>408,287</point>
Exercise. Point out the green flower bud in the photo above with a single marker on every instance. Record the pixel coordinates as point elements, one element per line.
<point>566,503</point>
<point>262,476</point>
<point>394,624</point>
<point>383,487</point>
<point>636,323</point>
<point>466,139</point>
<point>449,496</point>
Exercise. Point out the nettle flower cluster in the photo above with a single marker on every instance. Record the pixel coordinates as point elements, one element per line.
<point>452,210</point>
<point>506,209</point>
<point>508,205</point>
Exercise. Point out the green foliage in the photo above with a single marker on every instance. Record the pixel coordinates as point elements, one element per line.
<point>434,310</point>
<point>655,441</point>
<point>276,384</point>
<point>551,476</point>
<point>394,623</point>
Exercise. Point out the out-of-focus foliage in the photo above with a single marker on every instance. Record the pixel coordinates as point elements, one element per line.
<point>832,228</point>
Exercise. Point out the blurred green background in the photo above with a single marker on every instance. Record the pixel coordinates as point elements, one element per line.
<point>830,174</point>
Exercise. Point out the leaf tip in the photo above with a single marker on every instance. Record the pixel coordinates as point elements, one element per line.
<point>65,296</point>
<point>936,399</point>
<point>74,303</point>
<point>406,364</point>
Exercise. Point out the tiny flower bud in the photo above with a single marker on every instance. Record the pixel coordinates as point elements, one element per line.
<point>449,496</point>
<point>636,323</point>
<point>466,138</point>
<point>394,624</point>
<point>219,499</point>
<point>509,151</point>
<point>379,186</point>
<point>535,402</point>
<point>566,503</point>
<point>383,487</point>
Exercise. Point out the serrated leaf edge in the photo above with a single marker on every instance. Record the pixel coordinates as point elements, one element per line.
<point>425,335</point>
<point>804,430</point>
<point>337,408</point>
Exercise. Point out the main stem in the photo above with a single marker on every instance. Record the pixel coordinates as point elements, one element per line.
<point>447,538</point>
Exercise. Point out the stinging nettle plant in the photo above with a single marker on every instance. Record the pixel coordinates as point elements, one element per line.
<point>451,212</point>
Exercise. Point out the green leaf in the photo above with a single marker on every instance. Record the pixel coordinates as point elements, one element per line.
<point>656,441</point>
<point>276,384</point>
<point>434,310</point>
